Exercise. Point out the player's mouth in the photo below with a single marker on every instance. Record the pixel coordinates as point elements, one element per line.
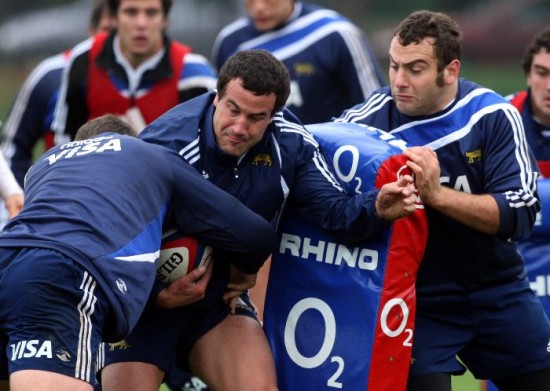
<point>404,98</point>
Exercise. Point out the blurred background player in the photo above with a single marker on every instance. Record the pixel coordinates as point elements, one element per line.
<point>330,62</point>
<point>29,120</point>
<point>534,103</point>
<point>136,72</point>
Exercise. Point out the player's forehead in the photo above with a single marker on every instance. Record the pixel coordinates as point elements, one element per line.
<point>246,100</point>
<point>140,4</point>
<point>422,51</point>
<point>542,59</point>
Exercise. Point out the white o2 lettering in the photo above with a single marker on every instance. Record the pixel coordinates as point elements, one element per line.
<point>324,352</point>
<point>384,317</point>
<point>290,332</point>
<point>384,320</point>
<point>351,175</point>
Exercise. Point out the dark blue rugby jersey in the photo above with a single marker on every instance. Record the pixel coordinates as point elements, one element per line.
<point>538,135</point>
<point>481,147</point>
<point>330,62</point>
<point>31,114</point>
<point>103,202</point>
<point>285,166</point>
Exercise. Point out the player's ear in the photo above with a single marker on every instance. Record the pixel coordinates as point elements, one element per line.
<point>452,72</point>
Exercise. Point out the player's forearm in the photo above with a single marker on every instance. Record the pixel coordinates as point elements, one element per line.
<point>477,211</point>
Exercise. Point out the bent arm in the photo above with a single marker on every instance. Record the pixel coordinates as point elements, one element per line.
<point>479,212</point>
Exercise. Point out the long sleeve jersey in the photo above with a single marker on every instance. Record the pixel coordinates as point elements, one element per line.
<point>330,62</point>
<point>103,201</point>
<point>538,135</point>
<point>481,148</point>
<point>31,115</point>
<point>285,166</point>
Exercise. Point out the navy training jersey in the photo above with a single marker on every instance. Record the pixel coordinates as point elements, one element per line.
<point>103,201</point>
<point>330,62</point>
<point>31,115</point>
<point>481,148</point>
<point>285,166</point>
<point>538,134</point>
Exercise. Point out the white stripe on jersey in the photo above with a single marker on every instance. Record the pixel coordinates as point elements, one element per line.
<point>374,103</point>
<point>146,257</point>
<point>296,46</point>
<point>86,309</point>
<point>199,81</point>
<point>60,114</point>
<point>191,152</point>
<point>318,160</point>
<point>22,101</point>
<point>227,30</point>
<point>366,73</point>
<point>321,164</point>
<point>292,127</point>
<point>528,174</point>
<point>462,132</point>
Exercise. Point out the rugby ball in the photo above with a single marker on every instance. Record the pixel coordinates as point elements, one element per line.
<point>179,254</point>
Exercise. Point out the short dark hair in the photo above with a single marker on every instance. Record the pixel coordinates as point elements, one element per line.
<point>540,41</point>
<point>99,7</point>
<point>105,123</point>
<point>260,72</point>
<point>115,4</point>
<point>445,31</point>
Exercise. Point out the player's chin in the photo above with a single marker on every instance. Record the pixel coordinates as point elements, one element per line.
<point>407,108</point>
<point>234,149</point>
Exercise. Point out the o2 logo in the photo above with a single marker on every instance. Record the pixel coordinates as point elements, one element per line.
<point>329,338</point>
<point>388,307</point>
<point>347,156</point>
<point>351,175</point>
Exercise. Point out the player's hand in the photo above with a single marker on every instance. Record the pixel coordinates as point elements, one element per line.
<point>14,204</point>
<point>425,165</point>
<point>187,289</point>
<point>239,283</point>
<point>396,199</point>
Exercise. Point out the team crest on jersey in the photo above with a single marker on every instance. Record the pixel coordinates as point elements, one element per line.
<point>263,159</point>
<point>474,156</point>
<point>121,345</point>
<point>304,69</point>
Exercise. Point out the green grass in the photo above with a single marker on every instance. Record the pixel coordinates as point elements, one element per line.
<point>503,78</point>
<point>465,382</point>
